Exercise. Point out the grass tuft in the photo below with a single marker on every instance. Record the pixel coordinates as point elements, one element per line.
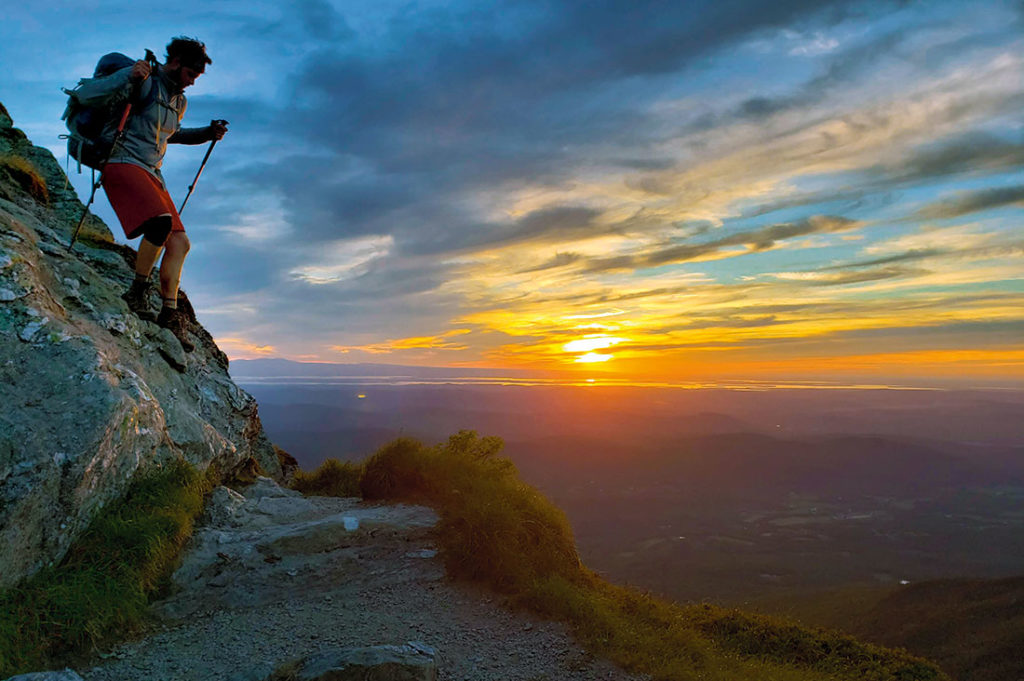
<point>332,479</point>
<point>25,174</point>
<point>104,584</point>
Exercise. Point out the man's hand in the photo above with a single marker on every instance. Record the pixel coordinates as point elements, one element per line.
<point>218,129</point>
<point>140,71</point>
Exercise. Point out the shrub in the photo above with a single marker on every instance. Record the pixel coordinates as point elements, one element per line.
<point>494,528</point>
<point>103,584</point>
<point>25,174</point>
<point>333,479</point>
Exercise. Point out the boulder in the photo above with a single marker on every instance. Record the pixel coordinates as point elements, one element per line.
<point>410,662</point>
<point>91,394</point>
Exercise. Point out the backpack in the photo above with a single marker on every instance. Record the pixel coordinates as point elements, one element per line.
<point>87,144</point>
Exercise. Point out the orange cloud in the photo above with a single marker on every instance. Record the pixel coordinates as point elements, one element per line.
<point>240,348</point>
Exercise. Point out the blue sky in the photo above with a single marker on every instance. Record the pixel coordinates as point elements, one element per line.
<point>674,189</point>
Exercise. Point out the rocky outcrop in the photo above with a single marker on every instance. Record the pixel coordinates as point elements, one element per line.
<point>90,395</point>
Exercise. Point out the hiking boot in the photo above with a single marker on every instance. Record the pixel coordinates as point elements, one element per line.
<point>137,298</point>
<point>176,323</point>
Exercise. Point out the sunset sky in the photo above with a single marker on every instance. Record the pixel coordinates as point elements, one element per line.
<point>679,190</point>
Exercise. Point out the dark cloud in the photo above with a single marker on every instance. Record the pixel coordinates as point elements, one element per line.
<point>620,38</point>
<point>483,95</point>
<point>913,254</point>
<point>972,202</point>
<point>301,22</point>
<point>756,240</point>
<point>321,20</point>
<point>839,72</point>
<point>973,152</point>
<point>880,267</point>
<point>326,199</point>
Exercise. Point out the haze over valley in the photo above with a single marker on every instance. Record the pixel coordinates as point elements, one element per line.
<point>729,495</point>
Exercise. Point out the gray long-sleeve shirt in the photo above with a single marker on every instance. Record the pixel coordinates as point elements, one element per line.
<point>155,119</point>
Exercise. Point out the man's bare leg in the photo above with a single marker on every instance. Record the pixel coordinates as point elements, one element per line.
<point>144,261</point>
<point>176,249</point>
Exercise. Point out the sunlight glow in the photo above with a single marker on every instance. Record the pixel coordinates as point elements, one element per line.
<point>592,343</point>
<point>591,357</point>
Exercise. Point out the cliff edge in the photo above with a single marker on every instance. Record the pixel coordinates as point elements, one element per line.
<point>90,395</point>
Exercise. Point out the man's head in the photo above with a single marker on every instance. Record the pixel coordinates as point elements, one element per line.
<point>186,60</point>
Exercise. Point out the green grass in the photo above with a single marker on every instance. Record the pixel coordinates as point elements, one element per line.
<point>104,584</point>
<point>496,529</point>
<point>973,628</point>
<point>332,479</point>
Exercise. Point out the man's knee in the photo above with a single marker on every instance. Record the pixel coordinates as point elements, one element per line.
<point>156,230</point>
<point>179,242</point>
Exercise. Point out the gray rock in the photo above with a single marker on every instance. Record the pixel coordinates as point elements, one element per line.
<point>266,487</point>
<point>243,556</point>
<point>224,506</point>
<point>409,662</point>
<point>114,395</point>
<point>170,349</point>
<point>65,675</point>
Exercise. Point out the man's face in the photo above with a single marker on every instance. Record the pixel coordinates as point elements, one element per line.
<point>183,75</point>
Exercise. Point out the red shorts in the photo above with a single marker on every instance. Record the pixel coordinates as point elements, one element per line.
<point>137,195</point>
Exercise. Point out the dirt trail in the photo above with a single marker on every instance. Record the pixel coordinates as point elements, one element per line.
<point>272,576</point>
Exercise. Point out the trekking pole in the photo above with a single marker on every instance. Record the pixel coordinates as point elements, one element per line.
<point>103,169</point>
<point>202,165</point>
<point>151,58</point>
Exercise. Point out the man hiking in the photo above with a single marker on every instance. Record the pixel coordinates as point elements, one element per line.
<point>132,178</point>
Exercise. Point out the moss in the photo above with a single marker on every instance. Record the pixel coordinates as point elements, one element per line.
<point>25,175</point>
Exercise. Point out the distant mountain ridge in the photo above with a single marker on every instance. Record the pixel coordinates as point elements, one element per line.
<point>283,368</point>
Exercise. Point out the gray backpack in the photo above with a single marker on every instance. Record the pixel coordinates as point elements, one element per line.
<point>87,143</point>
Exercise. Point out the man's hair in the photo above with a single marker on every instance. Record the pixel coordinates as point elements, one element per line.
<point>190,52</point>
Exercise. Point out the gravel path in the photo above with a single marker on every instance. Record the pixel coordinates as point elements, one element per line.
<point>273,577</point>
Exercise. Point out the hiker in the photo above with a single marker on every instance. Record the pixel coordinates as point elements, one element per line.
<point>132,178</point>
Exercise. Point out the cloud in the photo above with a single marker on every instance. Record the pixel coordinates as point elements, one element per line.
<point>238,348</point>
<point>322,21</point>
<point>437,342</point>
<point>972,202</point>
<point>400,170</point>
<point>756,240</point>
<point>973,152</point>
<point>850,277</point>
<point>345,259</point>
<point>558,261</point>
